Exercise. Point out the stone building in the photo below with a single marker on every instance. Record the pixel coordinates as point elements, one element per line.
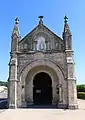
<point>41,68</point>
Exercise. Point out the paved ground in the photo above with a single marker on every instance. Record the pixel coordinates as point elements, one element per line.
<point>44,114</point>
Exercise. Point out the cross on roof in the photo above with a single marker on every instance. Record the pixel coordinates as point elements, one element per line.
<point>65,18</point>
<point>16,20</point>
<point>41,22</point>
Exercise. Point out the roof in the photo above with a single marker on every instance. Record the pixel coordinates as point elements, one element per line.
<point>39,26</point>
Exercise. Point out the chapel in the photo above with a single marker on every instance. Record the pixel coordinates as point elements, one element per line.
<point>41,68</point>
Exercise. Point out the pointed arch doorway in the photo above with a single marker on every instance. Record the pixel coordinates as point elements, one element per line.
<point>42,89</point>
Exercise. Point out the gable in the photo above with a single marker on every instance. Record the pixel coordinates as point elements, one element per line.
<point>41,36</point>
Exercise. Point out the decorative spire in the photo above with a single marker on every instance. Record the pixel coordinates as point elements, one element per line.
<point>15,36</point>
<point>66,26</point>
<point>16,28</point>
<point>67,36</point>
<point>40,22</point>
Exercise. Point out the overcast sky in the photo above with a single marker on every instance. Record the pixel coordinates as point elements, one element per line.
<point>53,12</point>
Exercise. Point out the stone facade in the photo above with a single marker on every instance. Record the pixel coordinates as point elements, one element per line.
<point>42,51</point>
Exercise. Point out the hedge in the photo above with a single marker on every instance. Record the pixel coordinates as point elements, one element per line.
<point>81,88</point>
<point>3,83</point>
<point>81,95</point>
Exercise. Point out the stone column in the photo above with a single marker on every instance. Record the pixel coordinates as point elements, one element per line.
<point>35,45</point>
<point>60,93</point>
<point>71,79</point>
<point>47,47</point>
<point>13,83</point>
<point>60,102</point>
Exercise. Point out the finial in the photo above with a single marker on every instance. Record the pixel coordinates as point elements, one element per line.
<point>16,20</point>
<point>40,22</point>
<point>65,18</point>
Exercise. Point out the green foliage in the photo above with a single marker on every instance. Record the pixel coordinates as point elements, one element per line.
<point>81,91</point>
<point>81,95</point>
<point>81,88</point>
<point>3,83</point>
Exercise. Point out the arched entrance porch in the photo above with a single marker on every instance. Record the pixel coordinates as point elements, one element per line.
<point>42,89</point>
<point>56,74</point>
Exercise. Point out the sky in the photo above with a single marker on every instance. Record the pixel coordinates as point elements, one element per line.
<point>53,11</point>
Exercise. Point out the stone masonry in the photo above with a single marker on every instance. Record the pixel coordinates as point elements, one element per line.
<point>42,51</point>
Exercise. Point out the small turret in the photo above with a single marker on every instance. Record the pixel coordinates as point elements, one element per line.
<point>15,36</point>
<point>67,36</point>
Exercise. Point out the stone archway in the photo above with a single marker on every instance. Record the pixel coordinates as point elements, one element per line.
<point>42,89</point>
<point>52,69</point>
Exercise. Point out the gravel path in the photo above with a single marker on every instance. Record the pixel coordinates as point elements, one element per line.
<point>44,114</point>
